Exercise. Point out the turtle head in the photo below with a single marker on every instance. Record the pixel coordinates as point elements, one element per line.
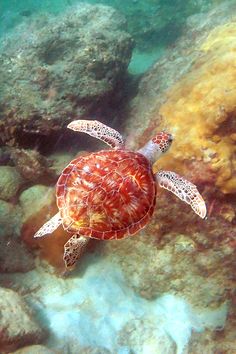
<point>157,146</point>
<point>163,141</point>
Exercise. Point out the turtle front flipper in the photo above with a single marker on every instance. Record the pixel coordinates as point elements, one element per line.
<point>98,130</point>
<point>183,189</point>
<point>49,226</point>
<point>73,249</point>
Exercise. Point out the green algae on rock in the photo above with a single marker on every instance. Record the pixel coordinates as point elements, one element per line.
<point>61,66</point>
<point>10,182</point>
<point>10,219</point>
<point>35,198</point>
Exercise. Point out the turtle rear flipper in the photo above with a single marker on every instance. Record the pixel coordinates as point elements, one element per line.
<point>183,189</point>
<point>73,249</point>
<point>49,226</point>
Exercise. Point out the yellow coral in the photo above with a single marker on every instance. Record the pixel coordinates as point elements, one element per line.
<point>200,109</point>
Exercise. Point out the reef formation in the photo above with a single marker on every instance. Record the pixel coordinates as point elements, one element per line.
<point>60,67</point>
<point>178,265</point>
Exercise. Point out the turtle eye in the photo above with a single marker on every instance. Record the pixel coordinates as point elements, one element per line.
<point>170,138</point>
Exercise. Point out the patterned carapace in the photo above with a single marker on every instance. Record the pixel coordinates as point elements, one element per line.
<point>107,195</point>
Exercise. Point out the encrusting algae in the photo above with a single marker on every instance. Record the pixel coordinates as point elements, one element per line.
<point>200,109</point>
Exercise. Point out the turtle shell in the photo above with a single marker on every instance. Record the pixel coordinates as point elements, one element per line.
<point>108,194</point>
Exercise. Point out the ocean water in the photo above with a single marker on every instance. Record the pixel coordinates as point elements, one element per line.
<point>117,177</point>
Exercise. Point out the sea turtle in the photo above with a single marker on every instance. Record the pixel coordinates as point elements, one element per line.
<point>111,194</point>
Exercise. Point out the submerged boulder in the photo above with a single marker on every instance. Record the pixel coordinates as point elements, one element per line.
<point>61,67</point>
<point>17,323</point>
<point>35,349</point>
<point>14,257</point>
<point>191,93</point>
<point>10,182</point>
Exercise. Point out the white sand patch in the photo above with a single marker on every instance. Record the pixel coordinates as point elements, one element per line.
<point>97,309</point>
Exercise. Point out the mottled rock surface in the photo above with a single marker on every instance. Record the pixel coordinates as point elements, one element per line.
<point>136,335</point>
<point>35,349</point>
<point>61,67</point>
<point>10,219</point>
<point>33,199</point>
<point>191,93</point>
<point>31,165</point>
<point>10,182</point>
<point>18,326</point>
<point>174,266</point>
<point>14,257</point>
<point>60,160</point>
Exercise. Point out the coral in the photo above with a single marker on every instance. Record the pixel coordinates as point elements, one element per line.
<point>10,182</point>
<point>17,323</point>
<point>200,109</point>
<point>72,64</point>
<point>191,93</point>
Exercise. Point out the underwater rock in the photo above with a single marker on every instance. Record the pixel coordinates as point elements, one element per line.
<point>5,156</point>
<point>158,23</point>
<point>14,257</point>
<point>60,160</point>
<point>17,323</point>
<point>10,182</point>
<point>39,205</point>
<point>152,269</point>
<point>136,335</point>
<point>96,311</point>
<point>33,199</point>
<point>31,165</point>
<point>35,349</point>
<point>61,67</point>
<point>191,93</point>
<point>10,219</point>
<point>92,350</point>
<point>222,341</point>
<point>201,108</point>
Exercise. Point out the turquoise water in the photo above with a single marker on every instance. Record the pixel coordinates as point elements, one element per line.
<point>142,81</point>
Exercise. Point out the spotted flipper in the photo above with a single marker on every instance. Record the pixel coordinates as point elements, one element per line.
<point>183,189</point>
<point>100,131</point>
<point>49,226</point>
<point>73,249</point>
